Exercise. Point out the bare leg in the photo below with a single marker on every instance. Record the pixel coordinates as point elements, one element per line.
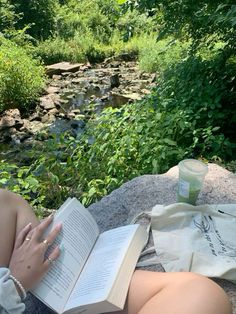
<point>175,293</point>
<point>15,213</point>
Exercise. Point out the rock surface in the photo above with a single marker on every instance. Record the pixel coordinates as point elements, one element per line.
<point>142,193</point>
<point>62,67</point>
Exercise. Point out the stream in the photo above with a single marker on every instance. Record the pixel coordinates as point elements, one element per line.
<point>70,98</point>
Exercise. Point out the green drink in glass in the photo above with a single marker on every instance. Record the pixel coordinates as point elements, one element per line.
<point>191,176</point>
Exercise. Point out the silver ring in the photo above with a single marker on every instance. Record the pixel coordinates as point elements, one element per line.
<point>51,261</point>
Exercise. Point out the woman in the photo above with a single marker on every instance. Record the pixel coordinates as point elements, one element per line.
<point>23,264</point>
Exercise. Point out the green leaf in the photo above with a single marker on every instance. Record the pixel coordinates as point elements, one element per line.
<point>169,142</point>
<point>121,1</point>
<point>32,181</point>
<point>91,192</point>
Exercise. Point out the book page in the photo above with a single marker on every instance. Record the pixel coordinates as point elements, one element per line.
<point>102,266</point>
<point>78,235</point>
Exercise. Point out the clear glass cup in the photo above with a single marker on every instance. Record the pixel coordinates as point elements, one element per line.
<point>192,173</point>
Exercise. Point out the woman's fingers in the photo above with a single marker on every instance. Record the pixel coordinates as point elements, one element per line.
<point>52,236</point>
<point>22,236</point>
<point>30,259</point>
<point>40,229</point>
<point>52,257</point>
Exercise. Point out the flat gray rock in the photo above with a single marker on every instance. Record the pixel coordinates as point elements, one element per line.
<point>142,193</point>
<point>58,68</point>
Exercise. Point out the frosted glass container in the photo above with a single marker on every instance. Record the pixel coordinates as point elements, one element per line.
<point>192,173</point>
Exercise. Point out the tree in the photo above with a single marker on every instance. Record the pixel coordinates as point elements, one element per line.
<point>196,19</point>
<point>39,14</point>
<point>8,16</point>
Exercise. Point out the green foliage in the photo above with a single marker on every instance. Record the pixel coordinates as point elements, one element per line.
<point>122,144</point>
<point>22,78</point>
<point>197,19</point>
<point>58,49</point>
<point>131,141</point>
<point>21,181</point>
<point>48,178</point>
<point>157,56</point>
<point>73,17</point>
<point>205,89</point>
<point>95,55</point>
<point>79,49</point>
<point>134,24</point>
<point>39,15</point>
<point>8,21</point>
<point>8,16</point>
<point>68,22</point>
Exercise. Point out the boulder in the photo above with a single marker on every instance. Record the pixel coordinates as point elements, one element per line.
<point>47,102</point>
<point>10,118</point>
<point>142,193</point>
<point>114,80</point>
<point>62,67</point>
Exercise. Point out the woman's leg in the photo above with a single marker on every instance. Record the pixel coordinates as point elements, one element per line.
<point>15,213</point>
<point>175,293</point>
<point>149,293</point>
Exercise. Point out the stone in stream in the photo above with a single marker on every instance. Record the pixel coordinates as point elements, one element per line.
<point>61,67</point>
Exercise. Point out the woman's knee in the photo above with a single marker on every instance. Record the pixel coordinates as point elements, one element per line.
<point>204,293</point>
<point>12,200</point>
<point>153,292</point>
<point>5,195</point>
<point>16,208</point>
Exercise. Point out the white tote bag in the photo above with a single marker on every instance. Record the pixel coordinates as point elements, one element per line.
<point>199,239</point>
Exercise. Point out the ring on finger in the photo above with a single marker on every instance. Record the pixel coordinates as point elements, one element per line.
<point>51,261</point>
<point>45,241</point>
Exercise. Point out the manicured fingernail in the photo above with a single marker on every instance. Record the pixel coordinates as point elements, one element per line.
<point>29,225</point>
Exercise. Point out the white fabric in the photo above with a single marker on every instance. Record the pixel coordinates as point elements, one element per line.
<point>10,301</point>
<point>199,239</point>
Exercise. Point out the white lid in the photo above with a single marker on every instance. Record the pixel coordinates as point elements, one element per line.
<point>193,166</point>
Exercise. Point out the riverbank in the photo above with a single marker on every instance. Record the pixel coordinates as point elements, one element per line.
<point>70,100</point>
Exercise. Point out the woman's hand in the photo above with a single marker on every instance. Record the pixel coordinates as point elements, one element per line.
<point>28,263</point>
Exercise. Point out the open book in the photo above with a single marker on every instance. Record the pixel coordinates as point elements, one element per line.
<point>93,272</point>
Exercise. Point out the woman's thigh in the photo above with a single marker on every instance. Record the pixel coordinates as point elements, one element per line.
<point>175,293</point>
<point>15,213</point>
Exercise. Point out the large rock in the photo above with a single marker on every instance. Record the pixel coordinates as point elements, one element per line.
<point>142,193</point>
<point>61,67</point>
<point>10,118</point>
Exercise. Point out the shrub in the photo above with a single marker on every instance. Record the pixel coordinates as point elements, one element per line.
<point>134,24</point>
<point>68,22</point>
<point>157,56</point>
<point>7,16</point>
<point>205,90</point>
<point>58,49</point>
<point>73,17</point>
<point>22,77</point>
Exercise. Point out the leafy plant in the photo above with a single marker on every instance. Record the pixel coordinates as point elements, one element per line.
<point>157,56</point>
<point>205,90</point>
<point>8,17</point>
<point>22,78</point>
<point>56,49</point>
